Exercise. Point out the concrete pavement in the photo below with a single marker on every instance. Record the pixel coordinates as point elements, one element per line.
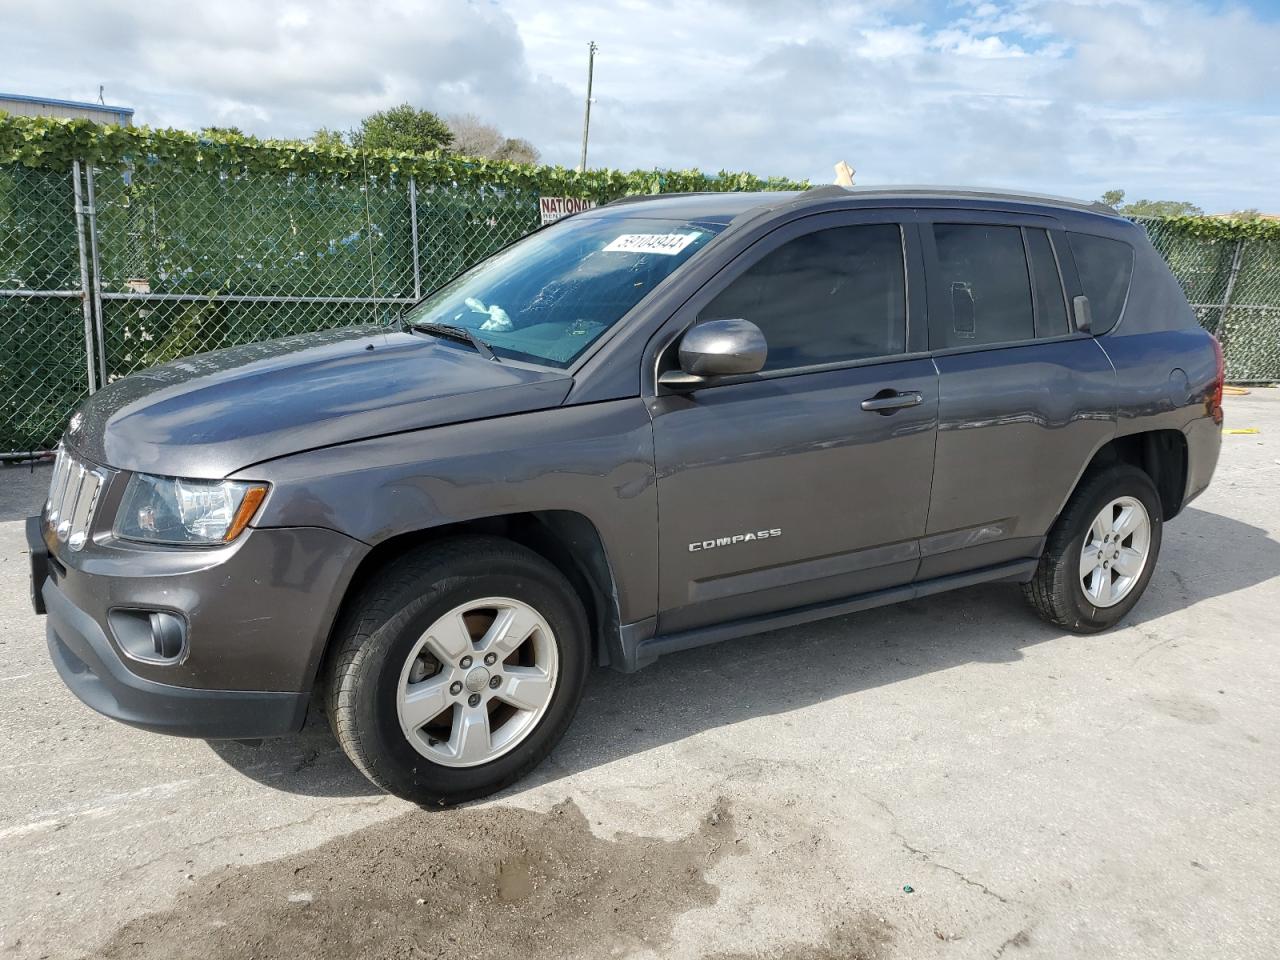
<point>1041,794</point>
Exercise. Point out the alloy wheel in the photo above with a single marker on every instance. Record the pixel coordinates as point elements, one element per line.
<point>1115,551</point>
<point>477,682</point>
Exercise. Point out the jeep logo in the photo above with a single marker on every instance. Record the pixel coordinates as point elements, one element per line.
<point>736,538</point>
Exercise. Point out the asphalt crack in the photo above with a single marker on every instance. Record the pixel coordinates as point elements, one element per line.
<point>929,858</point>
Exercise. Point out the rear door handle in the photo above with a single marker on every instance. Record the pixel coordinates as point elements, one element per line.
<point>887,401</point>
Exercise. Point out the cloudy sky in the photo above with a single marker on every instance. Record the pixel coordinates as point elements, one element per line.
<point>1164,99</point>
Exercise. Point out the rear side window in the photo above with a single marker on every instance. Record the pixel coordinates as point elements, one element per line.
<point>1051,302</point>
<point>1105,267</point>
<point>837,294</point>
<point>984,286</point>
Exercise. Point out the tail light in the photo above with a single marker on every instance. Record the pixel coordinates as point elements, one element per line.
<point>1213,402</point>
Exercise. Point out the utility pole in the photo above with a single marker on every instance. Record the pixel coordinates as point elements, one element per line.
<point>586,120</point>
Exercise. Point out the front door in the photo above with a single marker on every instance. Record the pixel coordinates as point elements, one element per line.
<point>808,482</point>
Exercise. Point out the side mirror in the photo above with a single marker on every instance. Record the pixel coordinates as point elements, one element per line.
<point>1083,314</point>
<point>718,348</point>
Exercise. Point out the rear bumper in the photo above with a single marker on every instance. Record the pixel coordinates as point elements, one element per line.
<point>90,667</point>
<point>1204,443</point>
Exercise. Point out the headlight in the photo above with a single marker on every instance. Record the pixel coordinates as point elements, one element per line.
<point>172,510</point>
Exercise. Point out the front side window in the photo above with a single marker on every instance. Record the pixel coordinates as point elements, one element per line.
<point>833,295</point>
<point>550,296</point>
<point>984,287</point>
<point>1105,267</point>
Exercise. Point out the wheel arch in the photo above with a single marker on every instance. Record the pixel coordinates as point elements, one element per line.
<point>566,539</point>
<point>1161,454</point>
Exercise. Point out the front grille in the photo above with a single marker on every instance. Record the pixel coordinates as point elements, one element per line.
<point>73,497</point>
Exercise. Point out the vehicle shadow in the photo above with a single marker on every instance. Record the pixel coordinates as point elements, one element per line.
<point>310,763</point>
<point>1204,556</point>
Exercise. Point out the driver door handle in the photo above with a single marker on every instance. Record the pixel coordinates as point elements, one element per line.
<point>887,401</point>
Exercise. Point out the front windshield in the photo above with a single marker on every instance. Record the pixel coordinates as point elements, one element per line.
<point>550,296</point>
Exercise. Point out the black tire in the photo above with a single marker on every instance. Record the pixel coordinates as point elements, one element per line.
<point>380,629</point>
<point>1055,591</point>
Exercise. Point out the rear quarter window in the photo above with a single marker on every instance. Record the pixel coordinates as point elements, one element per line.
<point>1105,267</point>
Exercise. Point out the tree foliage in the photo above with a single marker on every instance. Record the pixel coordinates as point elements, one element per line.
<point>1150,208</point>
<point>404,128</point>
<point>473,137</point>
<point>223,132</point>
<point>518,150</point>
<point>1161,208</point>
<point>327,139</point>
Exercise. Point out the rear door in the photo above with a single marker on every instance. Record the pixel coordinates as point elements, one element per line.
<point>1024,401</point>
<point>780,490</point>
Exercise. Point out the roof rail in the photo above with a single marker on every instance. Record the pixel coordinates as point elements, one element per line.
<point>640,197</point>
<point>887,191</point>
<point>822,191</point>
<point>982,193</point>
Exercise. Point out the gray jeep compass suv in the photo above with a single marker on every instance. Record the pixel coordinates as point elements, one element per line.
<point>658,424</point>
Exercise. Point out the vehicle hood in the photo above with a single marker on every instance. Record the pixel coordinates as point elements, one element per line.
<point>215,413</point>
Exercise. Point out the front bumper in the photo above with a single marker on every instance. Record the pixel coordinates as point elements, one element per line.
<point>257,616</point>
<point>90,667</point>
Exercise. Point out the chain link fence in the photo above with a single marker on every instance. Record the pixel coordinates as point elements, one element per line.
<point>44,367</point>
<point>108,270</point>
<point>121,268</point>
<point>189,261</point>
<point>1234,286</point>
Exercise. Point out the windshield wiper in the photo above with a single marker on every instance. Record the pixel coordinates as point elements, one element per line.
<point>458,333</point>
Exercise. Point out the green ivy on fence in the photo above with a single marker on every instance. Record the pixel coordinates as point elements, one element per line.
<point>1219,228</point>
<point>201,242</point>
<point>54,143</point>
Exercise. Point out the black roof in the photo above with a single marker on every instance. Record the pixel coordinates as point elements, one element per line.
<point>723,208</point>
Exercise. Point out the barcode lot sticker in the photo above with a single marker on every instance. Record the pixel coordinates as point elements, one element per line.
<point>665,243</point>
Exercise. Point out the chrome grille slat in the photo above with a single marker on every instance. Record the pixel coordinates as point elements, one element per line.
<point>86,500</point>
<point>73,499</point>
<point>57,485</point>
<point>69,496</point>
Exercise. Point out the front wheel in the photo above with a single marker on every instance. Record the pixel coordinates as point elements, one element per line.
<point>1101,553</point>
<point>457,670</point>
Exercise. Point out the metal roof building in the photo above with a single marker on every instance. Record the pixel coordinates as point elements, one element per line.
<point>25,106</point>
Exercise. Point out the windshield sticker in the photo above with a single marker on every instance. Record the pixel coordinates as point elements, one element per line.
<point>664,243</point>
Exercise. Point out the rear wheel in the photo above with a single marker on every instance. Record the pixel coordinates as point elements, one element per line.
<point>458,670</point>
<point>1101,553</point>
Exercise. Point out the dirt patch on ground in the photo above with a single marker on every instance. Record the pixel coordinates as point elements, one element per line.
<point>860,938</point>
<point>490,882</point>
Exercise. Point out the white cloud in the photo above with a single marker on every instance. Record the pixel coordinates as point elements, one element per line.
<point>279,70</point>
<point>1071,96</point>
<point>1130,50</point>
<point>966,44</point>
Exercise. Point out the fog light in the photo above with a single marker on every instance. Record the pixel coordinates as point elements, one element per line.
<point>168,635</point>
<point>152,636</point>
